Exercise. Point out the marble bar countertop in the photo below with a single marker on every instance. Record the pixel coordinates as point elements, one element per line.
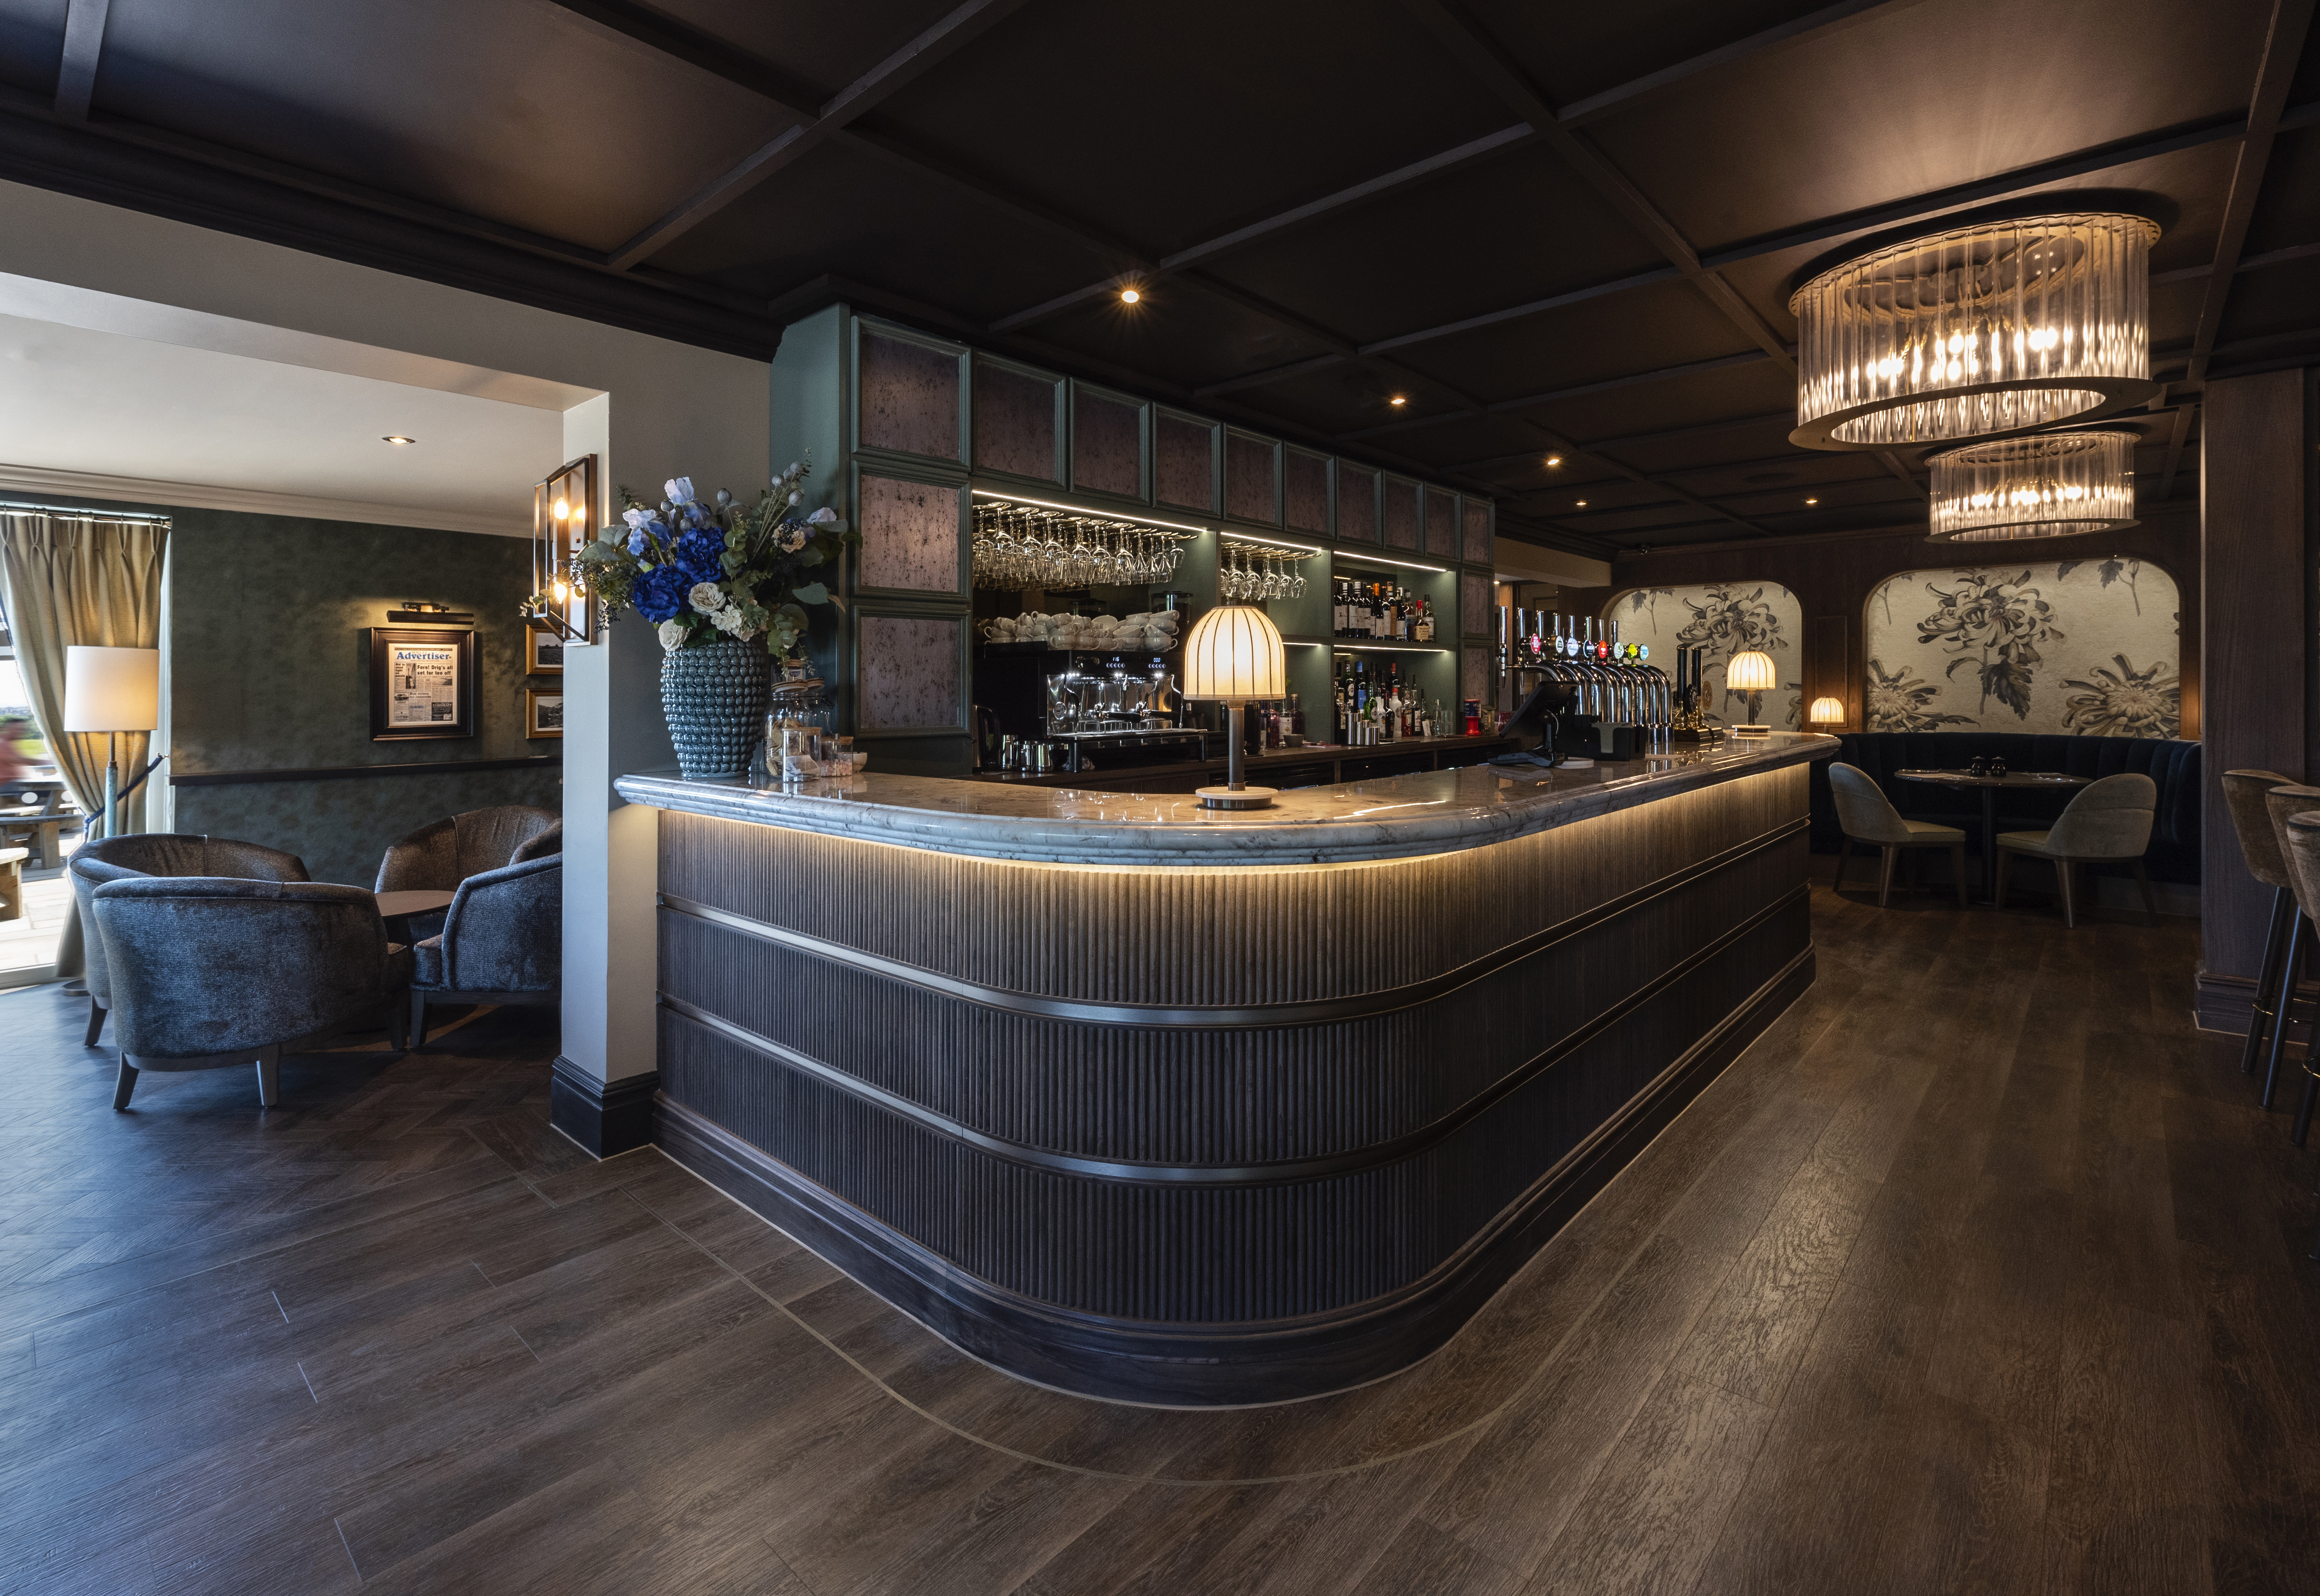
<point>1390,818</point>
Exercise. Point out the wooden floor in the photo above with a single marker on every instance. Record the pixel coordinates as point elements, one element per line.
<point>1979,1272</point>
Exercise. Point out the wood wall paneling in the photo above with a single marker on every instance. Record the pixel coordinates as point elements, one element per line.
<point>2255,440</point>
<point>1828,650</point>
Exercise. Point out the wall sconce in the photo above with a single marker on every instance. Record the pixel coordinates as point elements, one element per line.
<point>562,523</point>
<point>1826,713</point>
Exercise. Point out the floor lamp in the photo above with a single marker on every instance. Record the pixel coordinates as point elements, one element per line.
<point>111,691</point>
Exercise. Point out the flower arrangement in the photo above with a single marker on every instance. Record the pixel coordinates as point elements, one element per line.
<point>703,572</point>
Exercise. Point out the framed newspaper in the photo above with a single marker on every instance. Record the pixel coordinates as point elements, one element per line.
<point>423,683</point>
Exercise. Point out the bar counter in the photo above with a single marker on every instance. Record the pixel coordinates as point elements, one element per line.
<point>1167,1105</point>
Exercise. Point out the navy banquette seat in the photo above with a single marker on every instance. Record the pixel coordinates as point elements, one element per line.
<point>2172,764</point>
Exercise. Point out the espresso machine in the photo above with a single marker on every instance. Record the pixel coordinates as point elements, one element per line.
<point>1088,710</point>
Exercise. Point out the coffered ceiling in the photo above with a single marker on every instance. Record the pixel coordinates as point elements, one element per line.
<point>1550,231</point>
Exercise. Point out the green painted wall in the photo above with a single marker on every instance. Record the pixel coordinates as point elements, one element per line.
<point>269,668</point>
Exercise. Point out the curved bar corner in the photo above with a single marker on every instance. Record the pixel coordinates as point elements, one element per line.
<point>1163,1106</point>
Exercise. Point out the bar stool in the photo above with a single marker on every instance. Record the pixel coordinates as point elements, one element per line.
<point>2243,792</point>
<point>2284,803</point>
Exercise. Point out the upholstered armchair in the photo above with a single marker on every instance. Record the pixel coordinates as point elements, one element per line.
<point>439,856</point>
<point>163,854</point>
<point>207,972</point>
<point>501,943</point>
<point>1868,817</point>
<point>2108,821</point>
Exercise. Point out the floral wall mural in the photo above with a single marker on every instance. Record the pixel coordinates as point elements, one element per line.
<point>1725,618</point>
<point>2081,648</point>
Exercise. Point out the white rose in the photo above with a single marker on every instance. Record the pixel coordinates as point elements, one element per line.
<point>705,598</point>
<point>727,620</point>
<point>672,635</point>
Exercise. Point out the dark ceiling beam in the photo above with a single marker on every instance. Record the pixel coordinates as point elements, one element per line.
<point>1498,70</point>
<point>1145,273</point>
<point>2247,263</point>
<point>1917,207</point>
<point>1922,206</point>
<point>77,69</point>
<point>1828,19</point>
<point>703,51</point>
<point>2283,47</point>
<point>964,25</point>
<point>1504,407</point>
<point>2175,437</point>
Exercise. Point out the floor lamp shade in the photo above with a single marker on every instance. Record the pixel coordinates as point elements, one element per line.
<point>112,689</point>
<point>1235,654</point>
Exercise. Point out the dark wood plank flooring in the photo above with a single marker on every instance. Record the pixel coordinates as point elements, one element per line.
<point>1979,1272</point>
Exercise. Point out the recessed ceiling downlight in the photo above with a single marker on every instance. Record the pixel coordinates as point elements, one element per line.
<point>396,438</point>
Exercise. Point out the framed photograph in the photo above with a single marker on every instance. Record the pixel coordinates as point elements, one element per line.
<point>543,713</point>
<point>543,653</point>
<point>423,683</point>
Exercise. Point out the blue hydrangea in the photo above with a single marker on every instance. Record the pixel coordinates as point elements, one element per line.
<point>660,596</point>
<point>699,554</point>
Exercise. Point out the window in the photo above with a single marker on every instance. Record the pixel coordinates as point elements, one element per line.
<point>14,699</point>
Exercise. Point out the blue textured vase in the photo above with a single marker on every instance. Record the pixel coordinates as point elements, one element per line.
<point>713,698</point>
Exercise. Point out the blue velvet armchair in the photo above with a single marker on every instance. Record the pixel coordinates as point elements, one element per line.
<point>209,972</point>
<point>441,854</point>
<point>162,854</point>
<point>501,943</point>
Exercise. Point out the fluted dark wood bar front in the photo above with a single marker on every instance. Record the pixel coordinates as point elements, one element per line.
<point>1165,1106</point>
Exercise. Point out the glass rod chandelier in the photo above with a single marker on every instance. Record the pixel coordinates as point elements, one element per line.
<point>2054,487</point>
<point>1986,331</point>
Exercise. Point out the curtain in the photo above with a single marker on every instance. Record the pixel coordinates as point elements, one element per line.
<point>81,579</point>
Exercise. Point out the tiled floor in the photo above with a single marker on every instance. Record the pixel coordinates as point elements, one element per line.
<point>1979,1272</point>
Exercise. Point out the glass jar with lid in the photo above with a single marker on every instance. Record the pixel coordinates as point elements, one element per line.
<point>798,721</point>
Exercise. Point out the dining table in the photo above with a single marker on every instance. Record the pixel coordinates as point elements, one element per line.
<point>1990,786</point>
<point>42,806</point>
<point>401,907</point>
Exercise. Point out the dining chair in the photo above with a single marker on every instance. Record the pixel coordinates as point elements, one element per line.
<point>2107,823</point>
<point>2259,839</point>
<point>1866,815</point>
<point>2302,836</point>
<point>2284,804</point>
<point>12,882</point>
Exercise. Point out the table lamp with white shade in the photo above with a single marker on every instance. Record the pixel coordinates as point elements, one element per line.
<point>1751,672</point>
<point>111,691</point>
<point>1234,655</point>
<point>1826,713</point>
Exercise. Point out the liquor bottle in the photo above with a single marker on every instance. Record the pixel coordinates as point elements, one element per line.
<point>1296,716</point>
<point>1423,632</point>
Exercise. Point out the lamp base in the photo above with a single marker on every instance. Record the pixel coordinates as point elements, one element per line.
<point>1237,797</point>
<point>1752,731</point>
